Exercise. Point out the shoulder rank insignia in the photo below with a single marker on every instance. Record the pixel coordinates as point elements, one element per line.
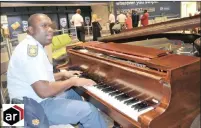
<point>35,122</point>
<point>32,50</point>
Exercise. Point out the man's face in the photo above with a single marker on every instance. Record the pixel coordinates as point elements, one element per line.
<point>42,30</point>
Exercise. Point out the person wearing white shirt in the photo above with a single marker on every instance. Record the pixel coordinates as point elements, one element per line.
<point>30,74</point>
<point>112,22</point>
<point>78,22</point>
<point>121,18</point>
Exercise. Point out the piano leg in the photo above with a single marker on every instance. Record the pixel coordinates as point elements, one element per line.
<point>116,125</point>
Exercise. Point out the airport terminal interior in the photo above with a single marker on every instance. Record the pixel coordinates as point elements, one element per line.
<point>144,57</point>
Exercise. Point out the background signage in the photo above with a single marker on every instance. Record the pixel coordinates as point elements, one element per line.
<point>156,9</point>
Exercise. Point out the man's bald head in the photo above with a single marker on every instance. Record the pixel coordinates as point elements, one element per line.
<point>33,18</point>
<point>78,11</point>
<point>40,28</point>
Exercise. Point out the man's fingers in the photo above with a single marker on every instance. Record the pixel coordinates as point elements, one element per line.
<point>77,73</point>
<point>91,82</point>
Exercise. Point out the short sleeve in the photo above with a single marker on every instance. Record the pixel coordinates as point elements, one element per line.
<point>35,68</point>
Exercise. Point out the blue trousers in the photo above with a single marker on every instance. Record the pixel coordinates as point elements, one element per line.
<point>69,108</point>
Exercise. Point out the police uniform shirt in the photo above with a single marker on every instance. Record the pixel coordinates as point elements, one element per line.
<point>29,63</point>
<point>77,19</point>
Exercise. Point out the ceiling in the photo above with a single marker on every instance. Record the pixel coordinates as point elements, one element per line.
<point>52,3</point>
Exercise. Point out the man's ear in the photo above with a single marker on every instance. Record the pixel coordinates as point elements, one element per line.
<point>30,30</point>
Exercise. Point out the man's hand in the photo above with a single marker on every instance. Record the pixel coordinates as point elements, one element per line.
<point>82,81</point>
<point>69,74</point>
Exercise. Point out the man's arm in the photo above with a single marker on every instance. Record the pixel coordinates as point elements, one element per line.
<point>46,89</point>
<point>58,76</point>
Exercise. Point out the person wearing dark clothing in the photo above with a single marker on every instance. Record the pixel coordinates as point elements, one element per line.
<point>135,18</point>
<point>80,33</point>
<point>112,22</point>
<point>96,30</point>
<point>96,27</point>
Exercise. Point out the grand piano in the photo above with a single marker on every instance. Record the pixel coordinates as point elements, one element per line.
<point>137,86</point>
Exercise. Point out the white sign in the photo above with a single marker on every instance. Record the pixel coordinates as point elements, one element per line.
<point>24,25</point>
<point>87,20</point>
<point>63,22</point>
<point>4,19</point>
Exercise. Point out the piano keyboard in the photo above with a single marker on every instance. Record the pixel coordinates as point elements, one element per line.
<point>132,107</point>
<point>120,98</point>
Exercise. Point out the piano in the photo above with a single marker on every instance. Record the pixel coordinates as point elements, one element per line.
<point>139,87</point>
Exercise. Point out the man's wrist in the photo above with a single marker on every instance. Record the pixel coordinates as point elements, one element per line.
<point>72,81</point>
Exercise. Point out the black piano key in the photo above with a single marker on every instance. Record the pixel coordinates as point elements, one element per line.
<point>105,88</point>
<point>148,103</point>
<point>96,85</point>
<point>131,101</point>
<point>99,84</point>
<point>143,108</point>
<point>140,106</point>
<point>102,86</point>
<point>136,106</point>
<point>115,93</point>
<point>122,97</point>
<point>109,89</point>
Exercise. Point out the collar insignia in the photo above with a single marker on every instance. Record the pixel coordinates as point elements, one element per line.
<point>32,50</point>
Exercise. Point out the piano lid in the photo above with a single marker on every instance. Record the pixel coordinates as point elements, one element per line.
<point>151,57</point>
<point>172,25</point>
<point>126,49</point>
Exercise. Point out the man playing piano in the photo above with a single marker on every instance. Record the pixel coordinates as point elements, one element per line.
<point>30,74</point>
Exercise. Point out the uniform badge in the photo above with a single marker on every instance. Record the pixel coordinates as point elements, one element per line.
<point>35,122</point>
<point>32,50</point>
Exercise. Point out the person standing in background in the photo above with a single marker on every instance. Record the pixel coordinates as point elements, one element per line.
<point>78,22</point>
<point>135,18</point>
<point>121,18</point>
<point>129,21</point>
<point>96,27</point>
<point>145,18</point>
<point>112,22</point>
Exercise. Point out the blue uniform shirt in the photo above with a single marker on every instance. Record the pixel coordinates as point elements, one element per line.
<point>29,63</point>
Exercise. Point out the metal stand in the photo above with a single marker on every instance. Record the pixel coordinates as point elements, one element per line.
<point>9,48</point>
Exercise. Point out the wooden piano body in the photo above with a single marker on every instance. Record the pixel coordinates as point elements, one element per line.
<point>146,73</point>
